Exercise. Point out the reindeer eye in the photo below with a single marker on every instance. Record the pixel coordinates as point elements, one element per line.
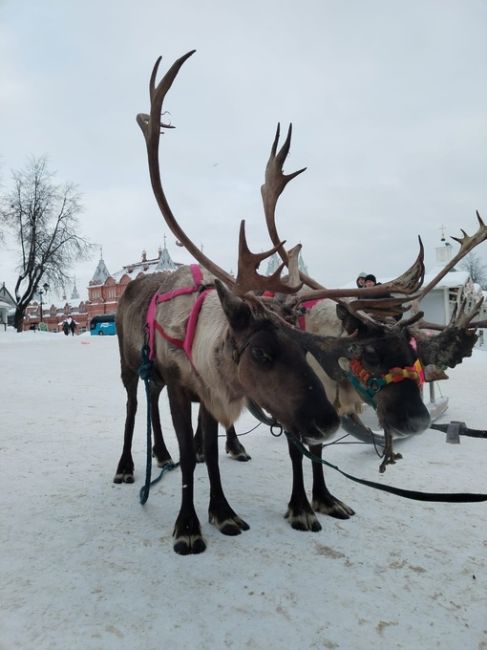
<point>370,355</point>
<point>260,355</point>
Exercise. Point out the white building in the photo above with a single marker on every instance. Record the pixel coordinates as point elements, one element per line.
<point>7,306</point>
<point>439,304</point>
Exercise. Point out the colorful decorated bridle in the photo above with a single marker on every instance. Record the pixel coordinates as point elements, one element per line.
<point>368,385</point>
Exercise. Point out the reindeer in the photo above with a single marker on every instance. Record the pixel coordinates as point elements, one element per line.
<point>239,350</point>
<point>323,316</point>
<point>213,341</point>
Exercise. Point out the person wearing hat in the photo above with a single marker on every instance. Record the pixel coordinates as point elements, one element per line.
<point>370,280</point>
<point>360,281</point>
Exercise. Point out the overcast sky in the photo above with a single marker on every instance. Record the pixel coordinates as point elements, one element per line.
<point>387,99</point>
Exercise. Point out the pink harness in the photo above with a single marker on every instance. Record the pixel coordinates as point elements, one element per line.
<point>152,325</point>
<point>306,305</point>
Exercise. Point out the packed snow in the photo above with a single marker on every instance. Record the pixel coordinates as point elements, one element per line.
<point>85,567</point>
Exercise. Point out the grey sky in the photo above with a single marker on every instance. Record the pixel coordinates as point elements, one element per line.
<point>387,99</point>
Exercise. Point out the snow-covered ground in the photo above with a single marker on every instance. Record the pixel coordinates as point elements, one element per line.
<point>85,567</point>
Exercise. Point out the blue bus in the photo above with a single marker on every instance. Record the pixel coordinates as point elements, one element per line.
<point>103,325</point>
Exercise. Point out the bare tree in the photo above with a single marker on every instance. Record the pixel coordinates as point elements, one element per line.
<point>42,216</point>
<point>476,269</point>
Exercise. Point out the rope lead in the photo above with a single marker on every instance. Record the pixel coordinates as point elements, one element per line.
<point>442,497</point>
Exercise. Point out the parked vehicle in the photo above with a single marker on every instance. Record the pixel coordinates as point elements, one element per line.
<point>103,325</point>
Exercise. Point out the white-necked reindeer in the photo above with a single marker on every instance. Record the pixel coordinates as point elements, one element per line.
<point>322,316</point>
<point>213,341</point>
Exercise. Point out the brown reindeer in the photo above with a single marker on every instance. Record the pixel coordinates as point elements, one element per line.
<point>239,350</point>
<point>398,405</point>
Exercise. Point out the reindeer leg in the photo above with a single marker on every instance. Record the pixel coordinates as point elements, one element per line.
<point>125,469</point>
<point>323,501</point>
<point>389,456</point>
<point>187,530</point>
<point>219,511</point>
<point>299,512</point>
<point>233,446</point>
<point>198,441</point>
<point>159,450</point>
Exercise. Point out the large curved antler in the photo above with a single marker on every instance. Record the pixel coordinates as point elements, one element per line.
<point>461,318</point>
<point>467,244</point>
<point>274,184</point>
<point>247,277</point>
<point>407,283</point>
<point>249,280</point>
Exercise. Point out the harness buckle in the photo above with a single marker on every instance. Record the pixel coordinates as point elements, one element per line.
<point>374,384</point>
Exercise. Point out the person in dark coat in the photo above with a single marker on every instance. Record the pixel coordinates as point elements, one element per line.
<point>71,325</point>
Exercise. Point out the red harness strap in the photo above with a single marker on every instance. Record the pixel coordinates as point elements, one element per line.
<point>152,325</point>
<point>306,305</point>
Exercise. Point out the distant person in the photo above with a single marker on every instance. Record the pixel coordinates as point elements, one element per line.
<point>370,281</point>
<point>66,327</point>
<point>71,325</point>
<point>360,281</point>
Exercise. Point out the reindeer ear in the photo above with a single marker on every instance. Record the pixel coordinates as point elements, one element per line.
<point>350,322</point>
<point>236,310</point>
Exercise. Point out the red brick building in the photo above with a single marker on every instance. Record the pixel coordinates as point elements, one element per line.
<point>104,292</point>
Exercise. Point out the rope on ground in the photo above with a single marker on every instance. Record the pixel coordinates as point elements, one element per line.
<point>145,373</point>
<point>224,435</point>
<point>448,497</point>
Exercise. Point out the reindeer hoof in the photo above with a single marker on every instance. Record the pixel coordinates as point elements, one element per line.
<point>165,463</point>
<point>333,508</point>
<point>305,521</point>
<point>189,545</point>
<point>123,477</point>
<point>233,525</point>
<point>236,451</point>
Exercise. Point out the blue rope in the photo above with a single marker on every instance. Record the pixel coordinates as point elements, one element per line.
<point>145,373</point>
<point>374,385</point>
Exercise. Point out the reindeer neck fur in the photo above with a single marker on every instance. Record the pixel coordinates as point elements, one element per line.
<point>322,319</point>
<point>215,363</point>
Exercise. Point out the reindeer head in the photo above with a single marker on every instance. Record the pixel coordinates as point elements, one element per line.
<point>273,370</point>
<point>386,371</point>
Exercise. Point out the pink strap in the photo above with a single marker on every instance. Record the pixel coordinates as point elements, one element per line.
<point>307,305</point>
<point>152,325</point>
<point>192,322</point>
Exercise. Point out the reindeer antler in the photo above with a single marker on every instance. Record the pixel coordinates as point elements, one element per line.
<point>377,300</point>
<point>467,244</point>
<point>247,278</point>
<point>151,128</point>
<point>461,318</point>
<point>407,283</point>
<point>274,184</point>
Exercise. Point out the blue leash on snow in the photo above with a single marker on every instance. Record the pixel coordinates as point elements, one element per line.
<point>145,373</point>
